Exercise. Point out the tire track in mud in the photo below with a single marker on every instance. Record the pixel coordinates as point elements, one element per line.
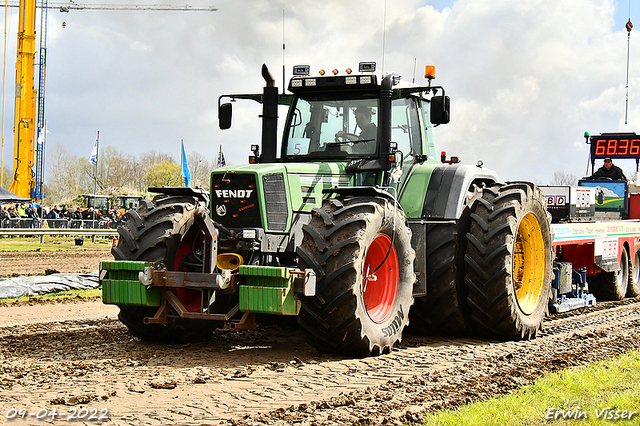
<point>36,262</point>
<point>270,376</point>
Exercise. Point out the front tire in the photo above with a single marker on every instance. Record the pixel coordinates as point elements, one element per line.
<point>509,260</point>
<point>360,249</point>
<point>163,231</point>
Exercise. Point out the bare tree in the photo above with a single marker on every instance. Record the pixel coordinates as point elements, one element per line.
<point>7,178</point>
<point>563,178</point>
<point>69,176</point>
<point>200,168</point>
<point>63,176</point>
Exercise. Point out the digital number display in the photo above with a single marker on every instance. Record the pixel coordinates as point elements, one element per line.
<point>615,146</point>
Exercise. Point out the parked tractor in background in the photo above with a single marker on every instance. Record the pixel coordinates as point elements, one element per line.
<point>356,225</point>
<point>104,203</point>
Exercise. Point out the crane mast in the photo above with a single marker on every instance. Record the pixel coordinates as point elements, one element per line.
<point>25,107</point>
<point>25,182</point>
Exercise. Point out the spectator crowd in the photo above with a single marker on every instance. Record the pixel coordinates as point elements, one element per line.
<point>35,216</point>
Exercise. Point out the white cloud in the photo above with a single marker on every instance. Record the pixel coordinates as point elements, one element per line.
<point>526,78</point>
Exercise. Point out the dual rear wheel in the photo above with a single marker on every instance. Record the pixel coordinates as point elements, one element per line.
<point>491,270</point>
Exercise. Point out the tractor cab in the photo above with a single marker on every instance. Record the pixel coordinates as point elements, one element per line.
<point>100,203</point>
<point>371,122</point>
<point>375,122</point>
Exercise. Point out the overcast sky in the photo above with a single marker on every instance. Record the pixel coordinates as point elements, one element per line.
<point>526,78</point>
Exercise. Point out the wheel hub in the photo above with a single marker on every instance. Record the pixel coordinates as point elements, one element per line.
<point>380,287</point>
<point>529,263</point>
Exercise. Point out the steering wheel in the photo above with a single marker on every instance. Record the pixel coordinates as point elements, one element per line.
<point>604,178</point>
<point>346,138</point>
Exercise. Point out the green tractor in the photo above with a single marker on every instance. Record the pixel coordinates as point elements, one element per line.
<point>357,226</point>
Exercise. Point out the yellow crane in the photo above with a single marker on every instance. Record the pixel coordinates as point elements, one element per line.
<point>25,125</point>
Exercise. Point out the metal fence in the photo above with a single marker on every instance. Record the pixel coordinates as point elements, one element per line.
<point>58,227</point>
<point>23,223</point>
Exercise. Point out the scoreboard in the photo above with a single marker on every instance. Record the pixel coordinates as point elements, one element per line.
<point>615,145</point>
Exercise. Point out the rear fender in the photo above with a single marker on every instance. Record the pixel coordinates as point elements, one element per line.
<point>196,192</point>
<point>442,188</point>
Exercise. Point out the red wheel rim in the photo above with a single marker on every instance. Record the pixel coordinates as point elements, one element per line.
<point>190,299</point>
<point>380,290</point>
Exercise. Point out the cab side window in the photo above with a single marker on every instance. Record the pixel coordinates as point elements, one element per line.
<point>405,128</point>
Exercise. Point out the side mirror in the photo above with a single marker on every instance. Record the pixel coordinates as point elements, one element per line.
<point>224,116</point>
<point>440,108</point>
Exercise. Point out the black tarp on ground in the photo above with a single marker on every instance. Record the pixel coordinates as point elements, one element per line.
<point>7,197</point>
<point>36,285</point>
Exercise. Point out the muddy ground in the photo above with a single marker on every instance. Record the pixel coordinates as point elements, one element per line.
<point>76,356</point>
<point>80,259</point>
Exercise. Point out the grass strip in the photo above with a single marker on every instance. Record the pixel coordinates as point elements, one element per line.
<point>51,244</point>
<point>52,297</point>
<point>602,393</point>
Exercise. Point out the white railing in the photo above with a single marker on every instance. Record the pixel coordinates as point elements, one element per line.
<point>70,232</point>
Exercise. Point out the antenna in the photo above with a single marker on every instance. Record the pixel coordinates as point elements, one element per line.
<point>384,33</point>
<point>283,55</point>
<point>415,60</point>
<point>629,26</point>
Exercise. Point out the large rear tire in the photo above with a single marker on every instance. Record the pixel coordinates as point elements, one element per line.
<point>509,260</point>
<point>444,310</point>
<point>163,231</point>
<point>360,249</point>
<point>612,285</point>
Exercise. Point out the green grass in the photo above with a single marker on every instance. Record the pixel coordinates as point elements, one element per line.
<point>589,390</point>
<point>50,244</point>
<point>70,294</point>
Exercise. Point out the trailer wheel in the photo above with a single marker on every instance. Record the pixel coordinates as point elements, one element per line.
<point>162,231</point>
<point>360,249</point>
<point>612,285</point>
<point>509,260</point>
<point>633,290</point>
<point>444,310</point>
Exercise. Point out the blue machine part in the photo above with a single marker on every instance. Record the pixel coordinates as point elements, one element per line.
<point>569,293</point>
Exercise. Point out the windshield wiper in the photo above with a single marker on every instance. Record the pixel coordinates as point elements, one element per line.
<point>348,142</point>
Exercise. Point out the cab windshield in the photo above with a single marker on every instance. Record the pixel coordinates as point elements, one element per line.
<point>332,129</point>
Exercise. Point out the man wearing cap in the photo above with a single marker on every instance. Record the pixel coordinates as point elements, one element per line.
<point>367,137</point>
<point>608,170</point>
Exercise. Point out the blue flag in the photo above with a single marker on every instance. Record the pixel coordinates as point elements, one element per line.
<point>186,173</point>
<point>94,153</point>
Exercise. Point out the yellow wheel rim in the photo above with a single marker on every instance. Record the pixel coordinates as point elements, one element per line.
<point>529,263</point>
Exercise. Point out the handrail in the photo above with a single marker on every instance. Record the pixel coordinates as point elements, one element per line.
<point>41,232</point>
<point>57,223</point>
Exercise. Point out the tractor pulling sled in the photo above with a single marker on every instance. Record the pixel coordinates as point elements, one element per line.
<point>357,227</point>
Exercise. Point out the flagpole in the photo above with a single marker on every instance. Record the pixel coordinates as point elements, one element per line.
<point>95,176</point>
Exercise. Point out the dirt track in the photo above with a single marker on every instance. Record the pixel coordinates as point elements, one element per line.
<point>270,374</point>
<point>82,260</point>
<point>77,355</point>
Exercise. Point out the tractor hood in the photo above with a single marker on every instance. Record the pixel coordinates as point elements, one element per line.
<point>268,195</point>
